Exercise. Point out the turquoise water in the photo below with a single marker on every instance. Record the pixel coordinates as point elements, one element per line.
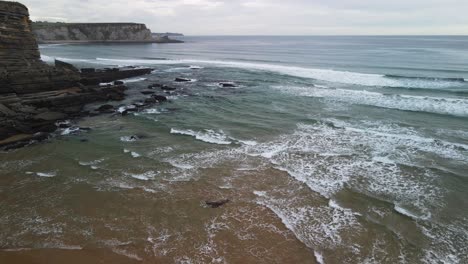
<point>341,149</point>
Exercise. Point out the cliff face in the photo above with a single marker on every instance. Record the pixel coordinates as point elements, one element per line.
<point>46,32</point>
<point>34,95</point>
<point>21,69</point>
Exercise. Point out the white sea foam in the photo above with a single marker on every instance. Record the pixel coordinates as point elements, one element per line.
<point>135,154</point>
<point>319,257</point>
<point>129,138</point>
<point>438,105</point>
<point>208,135</point>
<point>132,80</point>
<point>319,74</point>
<point>70,130</point>
<point>152,111</point>
<point>329,75</point>
<point>91,163</point>
<point>47,174</point>
<point>308,222</point>
<point>410,214</point>
<point>149,175</point>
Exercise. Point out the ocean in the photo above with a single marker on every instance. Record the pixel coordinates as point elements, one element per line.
<point>330,150</point>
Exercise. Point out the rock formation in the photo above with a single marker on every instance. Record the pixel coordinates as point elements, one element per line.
<point>91,32</point>
<point>47,32</point>
<point>34,95</point>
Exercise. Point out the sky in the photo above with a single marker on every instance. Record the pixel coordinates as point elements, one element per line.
<point>267,17</point>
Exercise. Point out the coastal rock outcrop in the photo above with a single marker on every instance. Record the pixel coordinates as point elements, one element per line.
<point>47,32</point>
<point>34,95</point>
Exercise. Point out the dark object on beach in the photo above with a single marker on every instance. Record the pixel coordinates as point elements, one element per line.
<point>227,85</point>
<point>178,79</point>
<point>118,83</point>
<point>216,204</point>
<point>167,88</point>
<point>88,70</point>
<point>159,98</point>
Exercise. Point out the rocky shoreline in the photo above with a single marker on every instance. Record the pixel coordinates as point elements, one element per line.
<point>36,97</point>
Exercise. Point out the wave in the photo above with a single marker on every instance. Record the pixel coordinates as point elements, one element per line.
<point>424,78</point>
<point>46,174</point>
<point>208,136</point>
<point>149,175</point>
<point>437,105</point>
<point>335,76</point>
<point>411,214</point>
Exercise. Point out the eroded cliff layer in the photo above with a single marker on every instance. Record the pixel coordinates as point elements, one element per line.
<point>21,69</point>
<point>91,32</point>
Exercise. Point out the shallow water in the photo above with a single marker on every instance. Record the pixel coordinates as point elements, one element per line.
<point>331,150</point>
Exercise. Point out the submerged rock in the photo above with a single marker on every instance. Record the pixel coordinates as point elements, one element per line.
<point>178,79</point>
<point>216,204</point>
<point>106,108</point>
<point>167,88</point>
<point>227,85</point>
<point>159,98</point>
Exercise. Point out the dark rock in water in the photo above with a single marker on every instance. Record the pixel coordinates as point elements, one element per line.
<point>83,140</point>
<point>51,116</point>
<point>85,128</point>
<point>115,96</point>
<point>64,125</point>
<point>150,100</point>
<point>227,85</point>
<point>106,108</point>
<point>147,92</point>
<point>216,204</point>
<point>118,83</point>
<point>155,85</point>
<point>88,70</point>
<point>160,98</point>
<point>167,88</point>
<point>178,79</point>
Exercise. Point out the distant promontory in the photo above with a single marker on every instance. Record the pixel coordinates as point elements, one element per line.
<point>48,32</point>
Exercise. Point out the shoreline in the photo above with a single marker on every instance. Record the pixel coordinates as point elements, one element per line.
<point>109,42</point>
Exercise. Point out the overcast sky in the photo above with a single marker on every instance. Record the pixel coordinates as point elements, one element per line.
<point>266,17</point>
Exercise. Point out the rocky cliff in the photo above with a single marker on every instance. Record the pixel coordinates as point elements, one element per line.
<point>21,69</point>
<point>91,32</point>
<point>34,95</point>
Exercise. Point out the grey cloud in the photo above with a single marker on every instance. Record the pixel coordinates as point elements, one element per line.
<point>271,17</point>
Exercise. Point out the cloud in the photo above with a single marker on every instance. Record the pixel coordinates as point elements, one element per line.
<point>267,17</point>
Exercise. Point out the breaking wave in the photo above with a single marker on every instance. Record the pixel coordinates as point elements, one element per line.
<point>208,136</point>
<point>335,76</point>
<point>437,105</point>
